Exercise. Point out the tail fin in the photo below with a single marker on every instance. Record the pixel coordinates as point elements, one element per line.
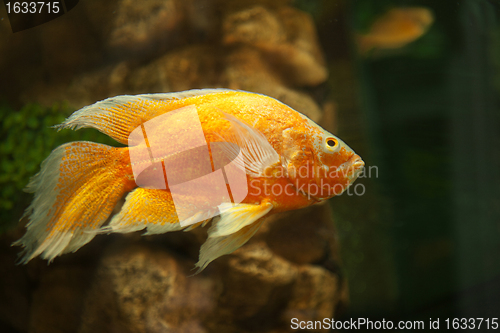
<point>75,192</point>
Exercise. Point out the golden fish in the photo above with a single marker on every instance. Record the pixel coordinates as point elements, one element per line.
<point>395,29</point>
<point>287,162</point>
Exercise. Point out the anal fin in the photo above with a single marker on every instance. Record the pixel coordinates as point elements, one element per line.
<point>153,210</point>
<point>145,208</point>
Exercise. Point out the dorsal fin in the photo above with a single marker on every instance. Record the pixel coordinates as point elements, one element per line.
<point>119,116</point>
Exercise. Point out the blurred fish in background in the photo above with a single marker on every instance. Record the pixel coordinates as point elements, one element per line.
<point>395,29</point>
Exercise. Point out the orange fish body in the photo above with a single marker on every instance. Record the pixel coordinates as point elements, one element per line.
<point>286,162</point>
<point>397,28</point>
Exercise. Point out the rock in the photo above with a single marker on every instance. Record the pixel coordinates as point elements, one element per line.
<point>257,286</point>
<point>303,59</point>
<point>142,289</point>
<point>253,26</point>
<point>202,20</point>
<point>286,37</point>
<point>142,284</point>
<point>303,237</point>
<point>83,89</point>
<point>129,28</point>
<point>231,6</point>
<point>246,69</point>
<point>277,49</point>
<point>315,294</point>
<point>196,66</point>
<point>263,292</point>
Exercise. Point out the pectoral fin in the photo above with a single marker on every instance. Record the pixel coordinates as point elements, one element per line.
<point>258,154</point>
<point>237,224</point>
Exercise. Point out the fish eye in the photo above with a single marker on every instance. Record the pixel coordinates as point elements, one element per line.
<point>331,142</point>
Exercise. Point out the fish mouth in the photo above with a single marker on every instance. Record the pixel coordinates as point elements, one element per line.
<point>356,164</point>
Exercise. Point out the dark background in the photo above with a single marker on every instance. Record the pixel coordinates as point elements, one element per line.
<point>424,241</point>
